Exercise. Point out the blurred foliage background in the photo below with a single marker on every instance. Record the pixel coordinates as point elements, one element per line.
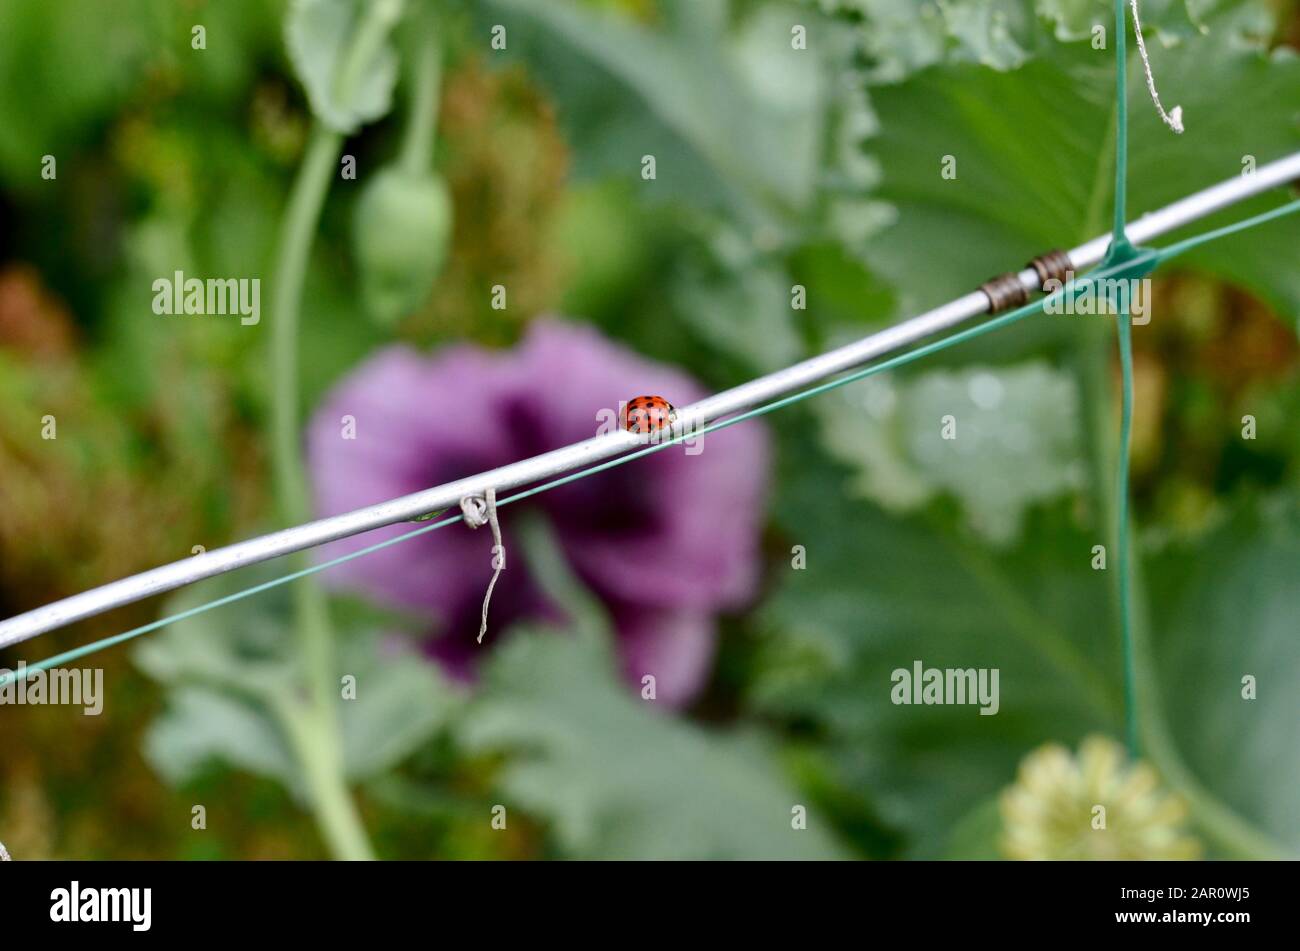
<point>775,166</point>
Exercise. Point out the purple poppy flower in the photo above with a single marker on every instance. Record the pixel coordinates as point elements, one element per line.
<point>666,542</point>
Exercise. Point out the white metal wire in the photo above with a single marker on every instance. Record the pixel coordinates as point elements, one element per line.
<point>578,455</point>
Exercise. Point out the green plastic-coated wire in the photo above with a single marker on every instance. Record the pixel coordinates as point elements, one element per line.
<point>1119,237</point>
<point>8,677</point>
<point>900,360</point>
<point>1121,249</point>
<point>76,653</point>
<point>1205,237</point>
<point>1124,332</point>
<point>1122,261</point>
<point>1138,264</point>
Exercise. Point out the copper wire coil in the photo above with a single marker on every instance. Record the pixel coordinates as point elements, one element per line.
<point>1053,265</point>
<point>1004,292</point>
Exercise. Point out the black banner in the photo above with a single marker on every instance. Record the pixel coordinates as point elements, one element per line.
<point>985,900</point>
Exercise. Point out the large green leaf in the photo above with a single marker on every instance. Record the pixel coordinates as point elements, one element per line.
<point>201,726</point>
<point>900,37</point>
<point>1032,149</point>
<point>344,92</point>
<point>1016,440</point>
<point>234,677</point>
<point>878,594</point>
<point>1222,609</point>
<point>1168,20</point>
<point>759,330</point>
<point>737,113</point>
<point>619,779</point>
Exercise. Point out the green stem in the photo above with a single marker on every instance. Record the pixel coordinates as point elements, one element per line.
<point>377,22</point>
<point>317,752</point>
<point>422,119</point>
<point>312,727</point>
<point>545,557</point>
<point>301,217</point>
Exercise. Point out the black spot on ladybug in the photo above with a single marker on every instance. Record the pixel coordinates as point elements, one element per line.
<point>647,414</point>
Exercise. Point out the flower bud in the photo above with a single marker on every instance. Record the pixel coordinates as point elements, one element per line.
<point>400,236</point>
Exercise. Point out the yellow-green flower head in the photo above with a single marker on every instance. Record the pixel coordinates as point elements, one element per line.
<point>1096,805</point>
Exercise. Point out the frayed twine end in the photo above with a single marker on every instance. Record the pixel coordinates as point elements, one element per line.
<point>480,511</point>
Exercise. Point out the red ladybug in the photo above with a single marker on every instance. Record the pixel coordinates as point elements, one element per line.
<point>648,414</point>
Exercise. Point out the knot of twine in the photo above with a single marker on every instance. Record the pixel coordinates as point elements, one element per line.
<point>479,511</point>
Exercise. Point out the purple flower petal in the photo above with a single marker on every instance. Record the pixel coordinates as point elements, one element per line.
<point>666,541</point>
<point>674,646</point>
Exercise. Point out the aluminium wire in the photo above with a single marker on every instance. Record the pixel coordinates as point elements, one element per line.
<point>579,455</point>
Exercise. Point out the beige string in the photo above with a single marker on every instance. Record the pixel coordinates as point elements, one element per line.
<point>1172,119</point>
<point>480,511</point>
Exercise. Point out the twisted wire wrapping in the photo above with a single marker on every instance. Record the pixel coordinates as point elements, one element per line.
<point>1052,265</point>
<point>1005,292</point>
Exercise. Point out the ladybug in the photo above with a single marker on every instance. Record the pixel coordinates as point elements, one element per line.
<point>648,414</point>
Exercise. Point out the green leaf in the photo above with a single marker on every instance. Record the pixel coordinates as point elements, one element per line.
<point>238,647</point>
<point>233,675</point>
<point>1017,440</point>
<point>401,702</point>
<point>880,593</point>
<point>1167,21</point>
<point>900,37</point>
<point>842,291</point>
<point>1033,169</point>
<point>618,779</point>
<point>719,113</point>
<point>202,725</point>
<point>741,309</point>
<point>347,86</point>
<point>1223,609</point>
